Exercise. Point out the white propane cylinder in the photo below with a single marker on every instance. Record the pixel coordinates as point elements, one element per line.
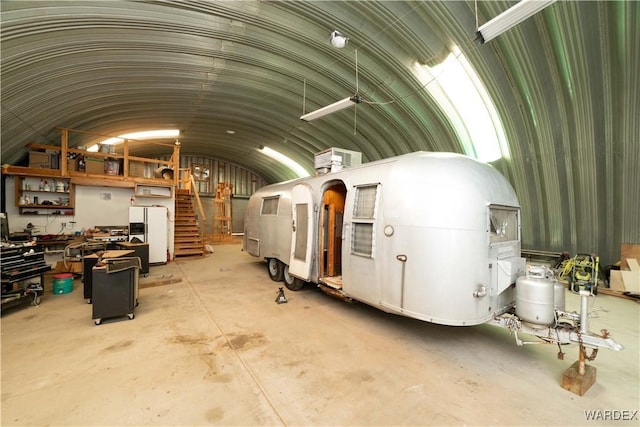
<point>535,296</point>
<point>558,295</point>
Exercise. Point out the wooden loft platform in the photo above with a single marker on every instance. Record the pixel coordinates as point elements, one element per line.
<point>124,178</point>
<point>85,178</point>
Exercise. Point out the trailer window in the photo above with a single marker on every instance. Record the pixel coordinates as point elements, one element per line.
<point>362,239</point>
<point>270,205</point>
<point>364,214</point>
<point>503,224</point>
<point>365,202</point>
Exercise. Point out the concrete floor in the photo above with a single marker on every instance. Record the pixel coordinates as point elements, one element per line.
<point>215,349</point>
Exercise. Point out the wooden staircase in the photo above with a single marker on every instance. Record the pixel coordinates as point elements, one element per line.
<point>187,239</point>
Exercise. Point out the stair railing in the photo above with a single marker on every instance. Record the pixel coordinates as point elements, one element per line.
<point>190,184</point>
<point>198,203</point>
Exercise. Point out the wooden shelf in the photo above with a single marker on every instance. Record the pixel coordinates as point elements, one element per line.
<point>154,191</point>
<point>45,192</point>
<point>34,182</point>
<point>39,206</point>
<point>35,172</point>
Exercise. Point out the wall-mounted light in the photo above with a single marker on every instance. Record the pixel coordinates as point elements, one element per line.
<point>337,39</point>
<point>331,108</point>
<point>291,164</point>
<point>148,134</point>
<point>510,18</point>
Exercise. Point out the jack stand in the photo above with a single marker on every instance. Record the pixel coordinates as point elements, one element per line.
<point>280,298</point>
<point>579,377</point>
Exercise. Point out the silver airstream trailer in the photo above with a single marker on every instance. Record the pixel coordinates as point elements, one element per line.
<point>431,236</point>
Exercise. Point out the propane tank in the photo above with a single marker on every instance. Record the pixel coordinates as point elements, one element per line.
<point>535,296</point>
<point>558,295</point>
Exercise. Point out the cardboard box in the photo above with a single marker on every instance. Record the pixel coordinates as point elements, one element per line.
<point>72,165</point>
<point>136,168</point>
<point>94,165</point>
<point>41,160</point>
<point>71,266</point>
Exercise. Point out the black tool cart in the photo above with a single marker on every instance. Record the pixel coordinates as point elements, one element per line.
<point>115,288</point>
<point>141,250</point>
<point>18,264</point>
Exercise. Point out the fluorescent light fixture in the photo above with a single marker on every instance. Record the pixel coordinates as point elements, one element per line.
<point>294,166</point>
<point>332,108</point>
<point>510,18</point>
<point>463,98</point>
<point>147,134</point>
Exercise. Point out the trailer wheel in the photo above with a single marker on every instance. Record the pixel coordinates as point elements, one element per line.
<point>275,269</point>
<point>292,283</point>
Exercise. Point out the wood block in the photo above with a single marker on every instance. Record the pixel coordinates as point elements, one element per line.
<point>633,264</point>
<point>574,382</point>
<point>628,251</point>
<point>161,282</point>
<point>615,281</point>
<point>631,281</point>
<point>619,294</point>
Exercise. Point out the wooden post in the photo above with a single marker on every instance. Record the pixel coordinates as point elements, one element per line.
<point>175,163</point>
<point>125,161</point>
<point>64,142</point>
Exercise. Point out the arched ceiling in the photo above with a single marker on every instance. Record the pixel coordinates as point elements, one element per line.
<point>565,83</point>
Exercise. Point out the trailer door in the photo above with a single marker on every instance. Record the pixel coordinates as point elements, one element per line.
<point>302,232</point>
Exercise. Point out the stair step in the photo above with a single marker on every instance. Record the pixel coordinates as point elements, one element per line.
<point>189,240</point>
<point>188,253</point>
<point>188,246</point>
<point>186,237</point>
<point>188,249</point>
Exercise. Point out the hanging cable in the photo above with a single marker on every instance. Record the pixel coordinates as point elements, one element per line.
<point>476,10</point>
<point>357,84</point>
<point>304,97</point>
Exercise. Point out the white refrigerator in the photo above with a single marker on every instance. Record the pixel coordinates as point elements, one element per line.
<point>150,225</point>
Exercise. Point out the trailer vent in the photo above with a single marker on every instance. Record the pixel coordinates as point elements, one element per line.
<point>335,159</point>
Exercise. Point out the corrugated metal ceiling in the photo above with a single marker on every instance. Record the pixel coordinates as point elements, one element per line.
<point>566,85</point>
